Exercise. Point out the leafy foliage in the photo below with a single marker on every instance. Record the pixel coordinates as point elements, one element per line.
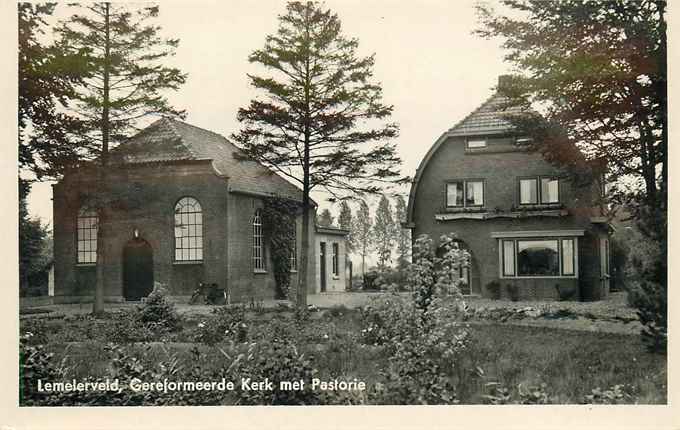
<point>279,224</point>
<point>119,53</point>
<point>34,250</point>
<point>605,84</point>
<point>618,394</point>
<point>46,81</point>
<point>647,291</point>
<point>158,310</point>
<point>434,271</point>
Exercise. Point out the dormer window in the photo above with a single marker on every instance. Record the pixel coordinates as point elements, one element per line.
<point>476,143</point>
<point>468,193</point>
<point>520,141</point>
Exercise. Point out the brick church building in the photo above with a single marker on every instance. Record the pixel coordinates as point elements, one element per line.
<point>186,210</point>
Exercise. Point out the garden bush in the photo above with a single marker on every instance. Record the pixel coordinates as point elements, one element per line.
<point>647,288</point>
<point>494,289</point>
<point>158,310</point>
<point>513,292</point>
<point>224,323</point>
<point>422,338</point>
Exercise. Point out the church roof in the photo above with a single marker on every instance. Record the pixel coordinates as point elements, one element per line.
<point>489,118</point>
<point>172,140</point>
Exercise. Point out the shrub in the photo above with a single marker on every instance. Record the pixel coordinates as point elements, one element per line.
<point>370,278</point>
<point>498,394</point>
<point>422,338</point>
<point>533,395</point>
<point>158,310</point>
<point>34,364</point>
<point>618,394</point>
<point>513,292</point>
<point>565,292</point>
<point>337,311</point>
<point>647,288</point>
<point>278,360</point>
<point>494,289</point>
<point>226,322</point>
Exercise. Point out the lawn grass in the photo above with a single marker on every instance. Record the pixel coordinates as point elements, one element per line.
<point>570,363</point>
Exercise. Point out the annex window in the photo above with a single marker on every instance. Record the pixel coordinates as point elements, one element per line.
<point>293,251</point>
<point>87,236</point>
<point>336,259</point>
<point>188,230</point>
<point>258,242</point>
<point>476,143</point>
<point>553,257</point>
<point>465,193</point>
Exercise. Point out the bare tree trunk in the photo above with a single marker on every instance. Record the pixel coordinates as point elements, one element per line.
<point>102,213</point>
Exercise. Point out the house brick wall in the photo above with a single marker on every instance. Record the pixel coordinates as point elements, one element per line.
<point>501,171</point>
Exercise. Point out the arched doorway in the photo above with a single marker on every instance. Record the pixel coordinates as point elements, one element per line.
<point>137,269</point>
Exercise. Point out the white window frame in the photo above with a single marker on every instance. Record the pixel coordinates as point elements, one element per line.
<point>538,181</point>
<point>335,259</point>
<point>258,243</point>
<point>189,219</point>
<point>465,193</point>
<point>87,224</point>
<point>540,185</point>
<point>476,143</point>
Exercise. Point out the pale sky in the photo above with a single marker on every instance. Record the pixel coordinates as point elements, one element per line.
<point>432,69</point>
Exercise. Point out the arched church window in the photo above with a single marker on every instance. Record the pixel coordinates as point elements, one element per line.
<point>188,230</point>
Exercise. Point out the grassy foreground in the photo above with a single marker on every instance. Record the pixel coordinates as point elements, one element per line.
<point>502,361</point>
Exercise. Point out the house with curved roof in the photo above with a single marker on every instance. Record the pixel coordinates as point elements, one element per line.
<point>185,207</point>
<point>531,231</point>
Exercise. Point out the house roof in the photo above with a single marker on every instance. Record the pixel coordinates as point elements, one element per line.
<point>172,140</point>
<point>489,118</point>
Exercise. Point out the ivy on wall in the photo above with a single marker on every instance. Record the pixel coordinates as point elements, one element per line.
<point>278,224</point>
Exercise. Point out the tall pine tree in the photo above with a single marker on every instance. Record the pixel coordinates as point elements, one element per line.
<point>325,219</point>
<point>120,54</point>
<point>384,231</point>
<point>320,121</point>
<point>345,222</point>
<point>403,235</point>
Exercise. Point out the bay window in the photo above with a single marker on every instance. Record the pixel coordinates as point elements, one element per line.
<point>538,257</point>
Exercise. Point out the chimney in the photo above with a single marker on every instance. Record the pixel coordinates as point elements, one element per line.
<point>504,82</point>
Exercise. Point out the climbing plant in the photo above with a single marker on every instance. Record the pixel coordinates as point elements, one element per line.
<point>278,223</point>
